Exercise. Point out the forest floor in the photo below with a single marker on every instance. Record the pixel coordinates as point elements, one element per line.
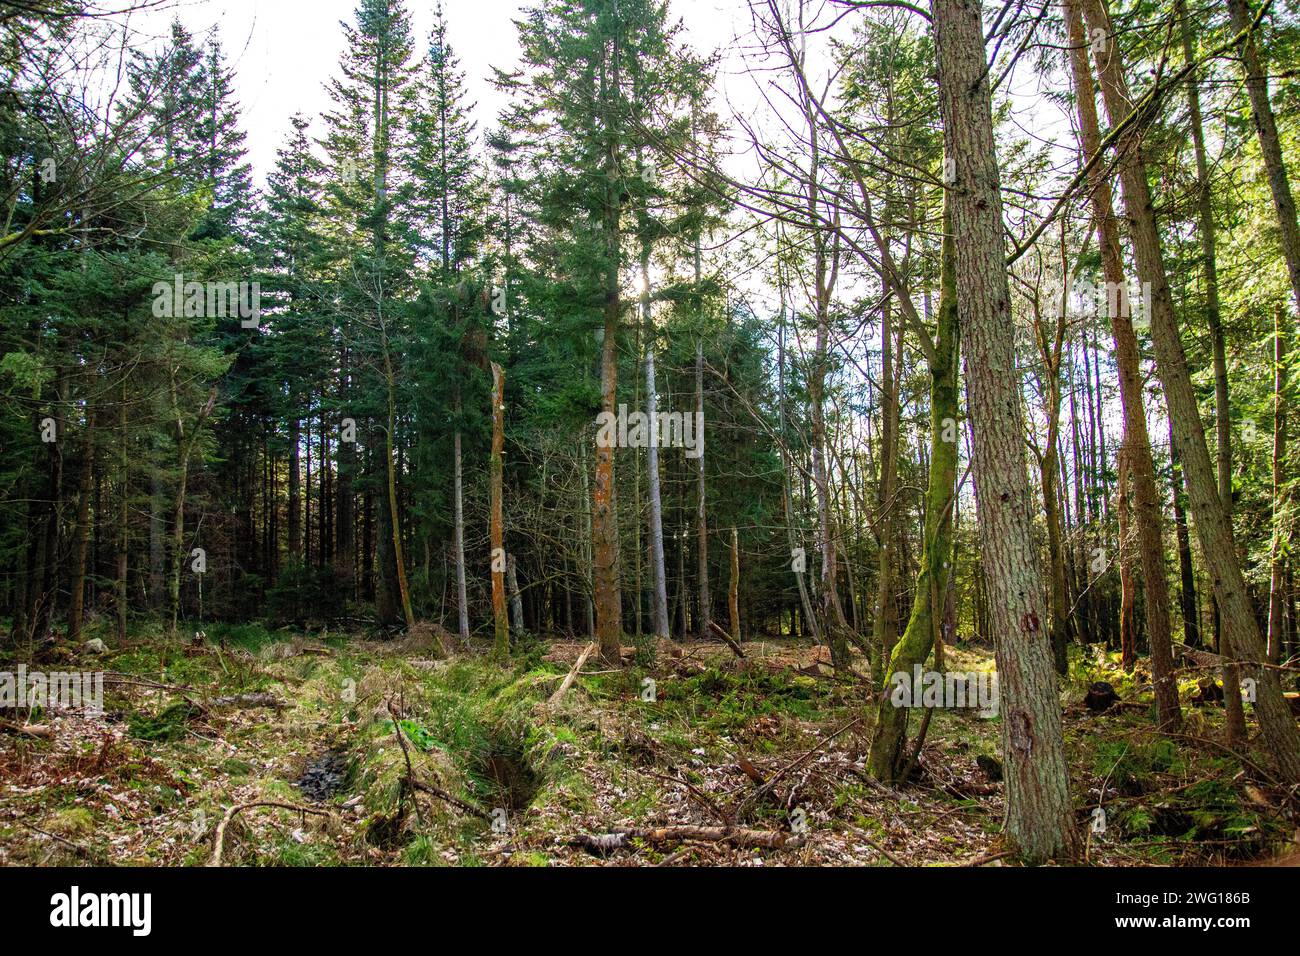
<point>772,743</point>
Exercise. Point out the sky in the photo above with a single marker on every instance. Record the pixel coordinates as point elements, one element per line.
<point>284,51</point>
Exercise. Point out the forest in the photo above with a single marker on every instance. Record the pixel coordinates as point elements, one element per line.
<point>816,433</point>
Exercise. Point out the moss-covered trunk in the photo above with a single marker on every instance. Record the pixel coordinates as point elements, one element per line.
<point>887,759</point>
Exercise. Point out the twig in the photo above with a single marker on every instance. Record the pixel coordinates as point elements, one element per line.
<point>416,783</point>
<point>81,850</point>
<point>988,858</point>
<point>881,850</point>
<point>443,795</point>
<point>702,797</point>
<point>230,815</point>
<point>793,765</point>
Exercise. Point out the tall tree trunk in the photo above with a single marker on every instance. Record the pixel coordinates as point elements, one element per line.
<point>884,623</point>
<point>798,561</point>
<point>295,490</point>
<point>184,446</point>
<point>123,515</point>
<point>157,529</point>
<point>887,757</point>
<point>733,588</point>
<point>501,646</point>
<point>588,571</point>
<point>1186,572</point>
<point>658,577</point>
<point>604,524</point>
<point>1218,345</point>
<point>390,463</point>
<point>81,545</point>
<point>516,599</point>
<point>1127,590</point>
<point>1137,442</point>
<point>604,514</point>
<point>458,531</point>
<point>345,563</point>
<point>1270,145</point>
<point>1213,527</point>
<point>1051,350</point>
<point>701,507</point>
<point>1039,817</point>
<point>1281,544</point>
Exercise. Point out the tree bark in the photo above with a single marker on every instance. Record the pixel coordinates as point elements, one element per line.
<point>733,589</point>
<point>1270,145</point>
<point>887,758</point>
<point>1187,574</point>
<point>884,624</point>
<point>658,577</point>
<point>390,464</point>
<point>458,532</point>
<point>1280,546</point>
<point>344,513</point>
<point>1137,442</point>
<point>123,515</point>
<point>701,512</point>
<point>604,519</point>
<point>501,646</point>
<point>77,587</point>
<point>295,490</point>
<point>1039,817</point>
<point>1213,527</point>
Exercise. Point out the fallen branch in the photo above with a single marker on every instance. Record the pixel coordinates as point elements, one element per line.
<point>231,813</point>
<point>249,701</point>
<point>881,850</point>
<point>443,795</point>
<point>573,673</point>
<point>114,677</point>
<point>988,858</point>
<point>80,850</point>
<point>733,836</point>
<point>762,789</point>
<point>703,798</point>
<point>730,641</point>
<point>43,731</point>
